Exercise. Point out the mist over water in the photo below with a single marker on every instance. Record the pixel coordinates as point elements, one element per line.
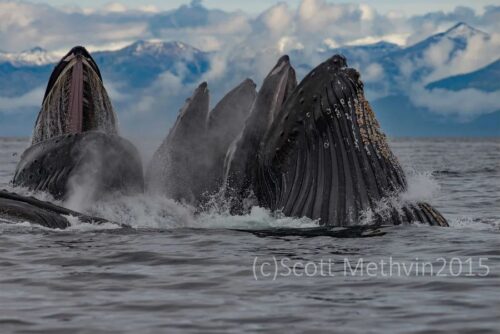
<point>178,270</point>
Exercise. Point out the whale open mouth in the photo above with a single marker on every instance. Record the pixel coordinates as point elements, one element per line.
<point>75,100</point>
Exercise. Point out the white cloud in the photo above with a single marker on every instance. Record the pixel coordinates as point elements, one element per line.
<point>29,100</point>
<point>464,104</point>
<point>277,19</point>
<point>399,39</point>
<point>24,25</point>
<point>480,52</point>
<point>373,72</point>
<point>115,7</point>
<point>367,12</point>
<point>444,59</point>
<point>248,46</point>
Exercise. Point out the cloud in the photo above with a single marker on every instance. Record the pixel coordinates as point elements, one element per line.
<point>399,39</point>
<point>464,104</point>
<point>480,52</point>
<point>24,25</point>
<point>114,7</point>
<point>26,101</point>
<point>373,72</point>
<point>463,51</point>
<point>277,19</point>
<point>244,46</point>
<point>431,23</point>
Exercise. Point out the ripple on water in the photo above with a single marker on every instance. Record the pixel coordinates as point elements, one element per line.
<point>178,272</point>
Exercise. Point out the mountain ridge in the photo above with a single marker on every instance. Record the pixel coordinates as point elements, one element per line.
<point>133,69</point>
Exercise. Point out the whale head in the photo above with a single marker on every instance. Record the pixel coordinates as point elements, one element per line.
<point>325,156</point>
<point>75,99</point>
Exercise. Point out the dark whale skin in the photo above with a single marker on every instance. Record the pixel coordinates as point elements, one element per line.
<point>189,165</point>
<point>325,156</point>
<point>110,162</point>
<point>17,208</point>
<point>240,165</point>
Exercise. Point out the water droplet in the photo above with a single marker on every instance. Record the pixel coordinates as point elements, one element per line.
<point>326,144</point>
<point>328,111</point>
<point>308,114</point>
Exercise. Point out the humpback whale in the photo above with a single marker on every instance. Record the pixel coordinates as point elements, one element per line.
<point>188,165</point>
<point>75,140</point>
<point>311,150</point>
<point>240,164</point>
<point>326,157</point>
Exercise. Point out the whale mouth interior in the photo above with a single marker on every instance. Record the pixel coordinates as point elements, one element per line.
<point>81,115</point>
<point>75,100</point>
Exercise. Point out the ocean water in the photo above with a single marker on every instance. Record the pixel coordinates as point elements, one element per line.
<point>178,272</point>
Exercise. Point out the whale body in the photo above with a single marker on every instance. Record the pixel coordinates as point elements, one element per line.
<point>75,140</point>
<point>75,148</point>
<point>325,156</point>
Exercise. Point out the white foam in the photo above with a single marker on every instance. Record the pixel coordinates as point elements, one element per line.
<point>421,187</point>
<point>466,222</point>
<point>147,211</point>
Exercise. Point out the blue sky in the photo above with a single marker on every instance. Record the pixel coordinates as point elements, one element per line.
<point>409,7</point>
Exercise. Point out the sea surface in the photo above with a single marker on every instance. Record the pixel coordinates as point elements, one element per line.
<point>175,271</point>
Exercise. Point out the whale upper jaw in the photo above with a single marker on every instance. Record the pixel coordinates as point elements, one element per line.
<point>75,100</point>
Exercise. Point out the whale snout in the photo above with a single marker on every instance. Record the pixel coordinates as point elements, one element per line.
<point>338,61</point>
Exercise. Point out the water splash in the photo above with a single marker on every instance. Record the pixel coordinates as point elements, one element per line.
<point>421,187</point>
<point>152,211</point>
<point>144,211</point>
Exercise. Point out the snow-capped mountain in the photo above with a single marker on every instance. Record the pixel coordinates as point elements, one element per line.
<point>34,57</point>
<point>418,61</point>
<point>459,35</point>
<point>140,63</point>
<point>387,69</point>
<point>365,52</point>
